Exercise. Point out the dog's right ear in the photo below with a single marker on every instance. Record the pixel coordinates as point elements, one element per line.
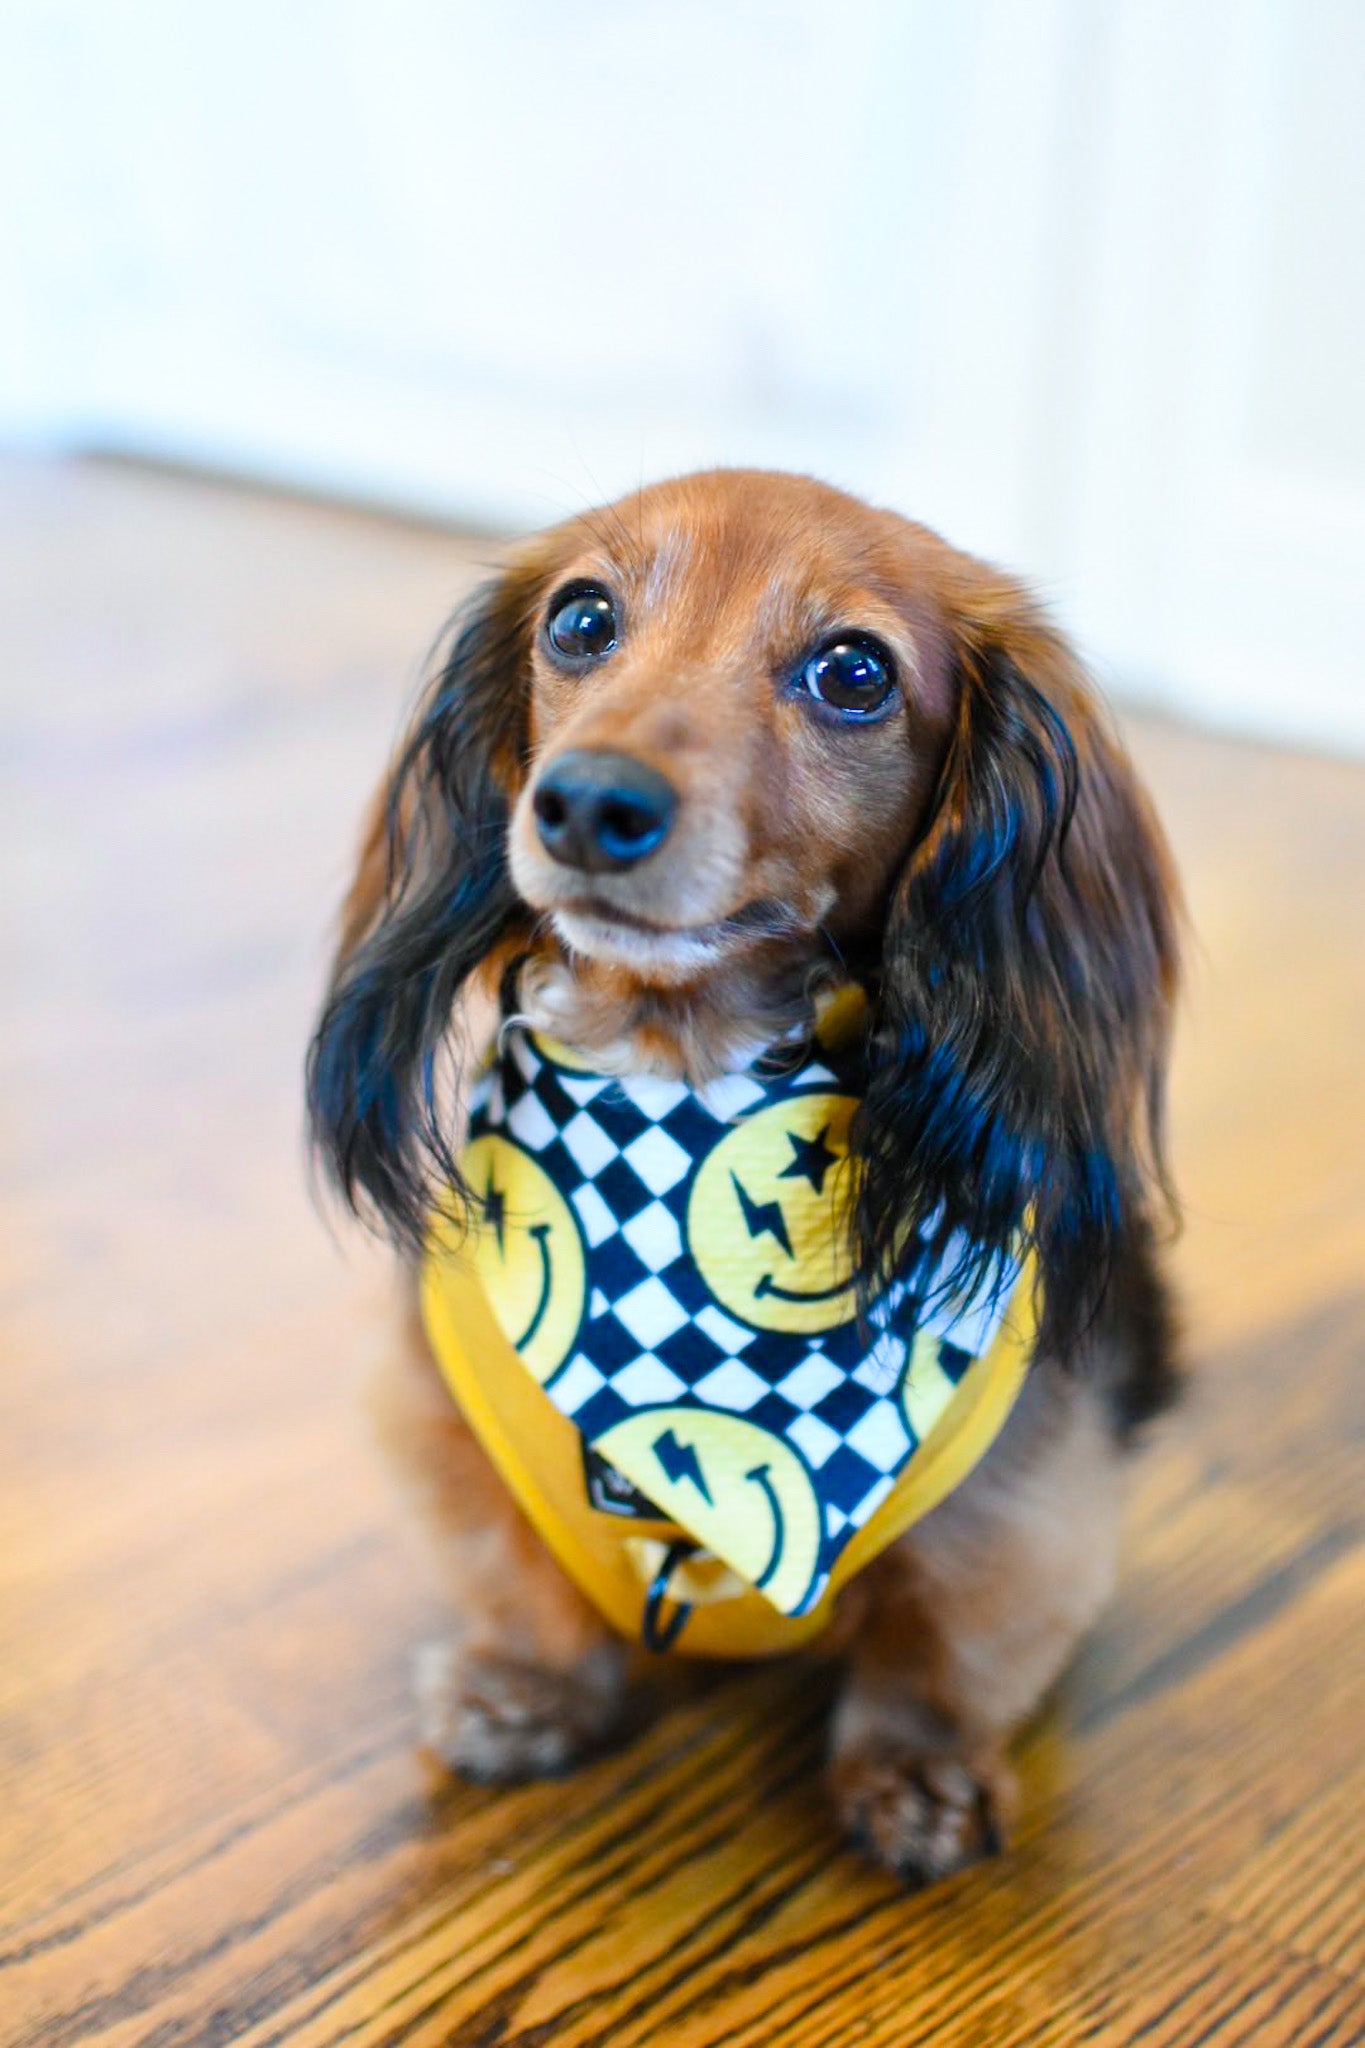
<point>432,900</point>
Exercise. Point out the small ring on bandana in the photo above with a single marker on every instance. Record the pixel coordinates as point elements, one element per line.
<point>658,1638</point>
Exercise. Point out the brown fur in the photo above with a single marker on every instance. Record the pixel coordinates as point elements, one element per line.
<point>724,580</point>
<point>531,1678</point>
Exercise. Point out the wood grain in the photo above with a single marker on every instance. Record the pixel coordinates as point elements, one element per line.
<point>215,1828</point>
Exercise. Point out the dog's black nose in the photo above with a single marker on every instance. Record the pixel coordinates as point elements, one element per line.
<point>600,811</point>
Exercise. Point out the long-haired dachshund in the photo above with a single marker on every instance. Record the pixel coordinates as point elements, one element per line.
<point>750,1019</point>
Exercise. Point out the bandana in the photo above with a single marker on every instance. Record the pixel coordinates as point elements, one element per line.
<point>653,1326</point>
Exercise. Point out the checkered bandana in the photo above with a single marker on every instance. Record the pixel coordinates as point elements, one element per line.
<point>671,1265</point>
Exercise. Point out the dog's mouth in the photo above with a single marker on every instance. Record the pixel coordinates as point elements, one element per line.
<point>762,916</point>
<point>765,916</point>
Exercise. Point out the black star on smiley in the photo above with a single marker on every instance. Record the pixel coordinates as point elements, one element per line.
<point>812,1159</point>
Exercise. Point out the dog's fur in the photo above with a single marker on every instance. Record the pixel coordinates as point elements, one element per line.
<point>983,861</point>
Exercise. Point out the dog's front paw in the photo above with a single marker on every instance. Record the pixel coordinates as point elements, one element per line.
<point>495,1719</point>
<point>921,1817</point>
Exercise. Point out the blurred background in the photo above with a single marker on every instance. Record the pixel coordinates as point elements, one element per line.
<point>1081,282</point>
<point>304,306</point>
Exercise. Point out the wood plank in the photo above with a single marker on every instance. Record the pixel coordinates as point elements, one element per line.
<point>214,1827</point>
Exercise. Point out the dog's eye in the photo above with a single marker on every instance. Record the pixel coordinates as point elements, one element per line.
<point>853,675</point>
<point>581,623</point>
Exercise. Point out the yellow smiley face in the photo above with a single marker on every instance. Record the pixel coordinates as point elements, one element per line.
<point>926,1391</point>
<point>743,1493</point>
<point>525,1246</point>
<point>767,1218</point>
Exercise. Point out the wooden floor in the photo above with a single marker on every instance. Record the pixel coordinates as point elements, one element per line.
<point>214,1827</point>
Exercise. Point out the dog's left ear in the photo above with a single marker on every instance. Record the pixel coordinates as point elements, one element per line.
<point>1021,1013</point>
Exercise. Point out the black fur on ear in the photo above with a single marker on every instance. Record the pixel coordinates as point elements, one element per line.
<point>431,900</point>
<point>1021,1007</point>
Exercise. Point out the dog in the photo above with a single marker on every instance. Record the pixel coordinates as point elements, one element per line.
<point>699,771</point>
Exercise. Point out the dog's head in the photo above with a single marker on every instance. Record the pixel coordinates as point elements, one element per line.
<point>741,723</point>
<point>737,701</point>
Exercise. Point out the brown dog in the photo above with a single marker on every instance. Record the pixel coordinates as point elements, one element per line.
<point>691,760</point>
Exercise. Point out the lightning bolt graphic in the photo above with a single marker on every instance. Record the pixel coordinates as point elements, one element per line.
<point>761,1216</point>
<point>495,1211</point>
<point>680,1461</point>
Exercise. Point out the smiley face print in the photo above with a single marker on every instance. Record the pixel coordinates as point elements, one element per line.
<point>526,1249</point>
<point>738,1489</point>
<point>767,1218</point>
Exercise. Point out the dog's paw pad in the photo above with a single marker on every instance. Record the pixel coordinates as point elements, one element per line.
<point>921,1817</point>
<point>497,1720</point>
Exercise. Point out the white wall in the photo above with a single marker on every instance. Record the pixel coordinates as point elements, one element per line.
<point>1079,281</point>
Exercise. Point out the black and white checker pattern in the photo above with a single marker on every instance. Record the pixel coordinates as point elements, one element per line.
<point>624,1152</point>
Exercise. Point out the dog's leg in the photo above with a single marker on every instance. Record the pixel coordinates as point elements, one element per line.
<point>967,1621</point>
<point>531,1679</point>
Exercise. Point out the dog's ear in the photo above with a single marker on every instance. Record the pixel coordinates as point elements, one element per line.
<point>432,903</point>
<point>1021,1012</point>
